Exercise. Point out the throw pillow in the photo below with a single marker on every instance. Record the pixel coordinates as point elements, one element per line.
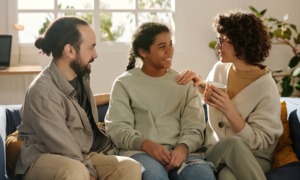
<point>294,122</point>
<point>13,146</point>
<point>283,152</point>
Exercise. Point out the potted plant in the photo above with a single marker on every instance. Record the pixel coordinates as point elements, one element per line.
<point>282,33</point>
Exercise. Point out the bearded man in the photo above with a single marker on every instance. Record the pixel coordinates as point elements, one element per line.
<point>61,139</point>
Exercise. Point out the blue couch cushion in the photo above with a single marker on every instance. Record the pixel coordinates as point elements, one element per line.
<point>2,160</point>
<point>13,118</point>
<point>289,171</point>
<point>294,124</point>
<point>102,109</point>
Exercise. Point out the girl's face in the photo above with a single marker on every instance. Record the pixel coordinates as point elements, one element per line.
<point>159,57</point>
<point>225,49</point>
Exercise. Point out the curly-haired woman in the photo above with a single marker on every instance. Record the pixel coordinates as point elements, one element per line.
<point>244,122</point>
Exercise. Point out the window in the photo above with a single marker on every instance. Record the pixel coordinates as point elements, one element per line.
<point>113,20</point>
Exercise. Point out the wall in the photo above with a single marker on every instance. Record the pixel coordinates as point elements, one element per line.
<point>193,27</point>
<point>3,17</point>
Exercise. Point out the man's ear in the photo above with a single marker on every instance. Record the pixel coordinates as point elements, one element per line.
<point>69,51</point>
<point>142,53</point>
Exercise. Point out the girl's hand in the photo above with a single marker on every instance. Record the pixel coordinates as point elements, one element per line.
<point>157,151</point>
<point>178,156</point>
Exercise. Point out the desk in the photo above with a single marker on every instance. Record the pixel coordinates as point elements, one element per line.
<point>21,70</point>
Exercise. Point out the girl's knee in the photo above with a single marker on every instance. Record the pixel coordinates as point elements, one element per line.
<point>198,171</point>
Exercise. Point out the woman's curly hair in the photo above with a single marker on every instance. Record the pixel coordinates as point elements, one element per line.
<point>248,35</point>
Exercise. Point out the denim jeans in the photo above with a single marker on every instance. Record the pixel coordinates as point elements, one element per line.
<point>154,170</point>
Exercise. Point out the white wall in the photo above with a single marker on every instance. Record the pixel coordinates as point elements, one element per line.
<point>193,27</point>
<point>3,17</point>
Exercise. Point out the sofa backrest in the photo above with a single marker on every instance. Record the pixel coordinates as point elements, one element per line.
<point>13,118</point>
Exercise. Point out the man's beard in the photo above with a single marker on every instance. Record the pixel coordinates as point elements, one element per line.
<point>79,68</point>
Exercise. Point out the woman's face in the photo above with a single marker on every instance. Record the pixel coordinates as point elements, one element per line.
<point>159,57</point>
<point>225,49</point>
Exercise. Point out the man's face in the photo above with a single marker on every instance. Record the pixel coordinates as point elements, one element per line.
<point>80,68</point>
<point>86,53</point>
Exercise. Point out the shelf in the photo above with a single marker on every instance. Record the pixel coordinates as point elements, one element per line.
<point>21,70</point>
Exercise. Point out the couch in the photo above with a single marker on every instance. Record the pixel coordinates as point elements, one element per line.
<point>9,120</point>
<point>288,169</point>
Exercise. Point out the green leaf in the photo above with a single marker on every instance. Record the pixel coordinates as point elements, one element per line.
<point>287,33</point>
<point>294,27</point>
<point>44,27</point>
<point>253,10</point>
<point>286,80</point>
<point>277,33</point>
<point>272,19</point>
<point>271,34</point>
<point>287,89</point>
<point>212,44</point>
<point>294,61</point>
<point>297,40</point>
<point>263,12</point>
<point>296,72</point>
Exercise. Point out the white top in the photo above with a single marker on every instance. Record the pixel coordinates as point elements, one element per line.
<point>258,104</point>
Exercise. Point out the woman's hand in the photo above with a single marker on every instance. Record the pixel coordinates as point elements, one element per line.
<point>157,151</point>
<point>219,99</point>
<point>178,156</point>
<point>186,76</point>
